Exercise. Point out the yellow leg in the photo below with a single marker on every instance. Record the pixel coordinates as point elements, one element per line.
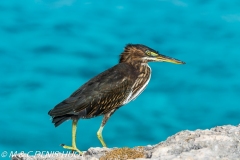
<point>99,135</point>
<point>104,121</point>
<point>74,130</point>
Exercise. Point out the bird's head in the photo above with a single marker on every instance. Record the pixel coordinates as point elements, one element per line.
<point>143,54</point>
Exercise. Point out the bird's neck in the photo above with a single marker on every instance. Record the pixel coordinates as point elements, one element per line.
<point>142,67</point>
<point>143,72</point>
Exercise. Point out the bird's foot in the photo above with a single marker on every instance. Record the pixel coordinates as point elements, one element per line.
<point>72,148</point>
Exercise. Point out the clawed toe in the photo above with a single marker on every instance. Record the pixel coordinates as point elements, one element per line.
<point>72,148</point>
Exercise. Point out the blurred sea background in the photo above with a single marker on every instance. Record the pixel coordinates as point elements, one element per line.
<point>49,48</point>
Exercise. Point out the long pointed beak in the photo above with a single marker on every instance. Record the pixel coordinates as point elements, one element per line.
<point>162,58</point>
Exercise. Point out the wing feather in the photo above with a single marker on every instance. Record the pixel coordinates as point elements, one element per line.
<point>100,95</point>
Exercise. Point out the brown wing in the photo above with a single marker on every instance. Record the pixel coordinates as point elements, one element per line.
<point>103,93</point>
<point>105,99</point>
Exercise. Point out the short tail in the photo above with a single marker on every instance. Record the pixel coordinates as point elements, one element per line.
<point>62,111</point>
<point>60,119</point>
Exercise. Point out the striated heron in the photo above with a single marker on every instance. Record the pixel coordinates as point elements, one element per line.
<point>108,91</point>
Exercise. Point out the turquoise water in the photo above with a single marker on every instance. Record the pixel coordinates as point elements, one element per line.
<point>50,48</point>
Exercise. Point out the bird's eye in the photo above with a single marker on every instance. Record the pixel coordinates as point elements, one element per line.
<point>150,53</point>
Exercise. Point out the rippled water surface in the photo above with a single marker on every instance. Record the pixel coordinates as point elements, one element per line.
<point>50,48</point>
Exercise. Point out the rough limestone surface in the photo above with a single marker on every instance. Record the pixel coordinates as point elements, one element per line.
<point>222,142</point>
